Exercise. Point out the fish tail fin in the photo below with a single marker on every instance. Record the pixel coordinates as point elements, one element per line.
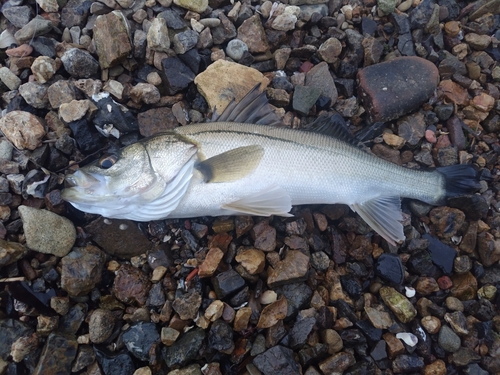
<point>460,179</point>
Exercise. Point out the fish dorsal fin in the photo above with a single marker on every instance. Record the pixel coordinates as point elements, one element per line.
<point>333,126</point>
<point>231,165</point>
<point>253,108</point>
<point>272,201</point>
<point>383,214</point>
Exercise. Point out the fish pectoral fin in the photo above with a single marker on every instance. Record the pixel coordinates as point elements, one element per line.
<point>231,165</point>
<point>383,214</point>
<point>272,201</point>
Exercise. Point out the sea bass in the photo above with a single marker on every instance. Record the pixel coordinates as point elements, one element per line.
<point>244,163</point>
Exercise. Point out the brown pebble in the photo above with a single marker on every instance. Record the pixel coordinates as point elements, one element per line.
<point>21,51</point>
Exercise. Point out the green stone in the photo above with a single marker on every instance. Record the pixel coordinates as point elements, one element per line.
<point>399,304</point>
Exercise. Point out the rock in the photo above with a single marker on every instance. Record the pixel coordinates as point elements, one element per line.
<point>214,310</point>
<point>220,337</point>
<point>273,313</point>
<point>252,260</point>
<point>319,76</point>
<point>75,13</point>
<point>217,87</point>
<point>185,41</point>
<point>121,238</point>
<point>169,335</point>
<point>101,325</point>
<point>302,328</point>
<point>394,346</point>
<point>50,6</point>
<point>18,16</point>
<point>198,6</point>
<point>453,92</point>
<point>386,6</point>
<point>57,355</point>
<point>236,48</point>
<point>448,340</point>
<point>61,92</point>
<point>252,34</point>
<point>140,338</point>
<point>330,50</point>
<point>36,27</point>
<point>115,364</point>
<point>145,93</point>
<point>304,98</point>
<point>320,261</point>
<point>431,324</point>
<point>34,94</point>
<point>43,68</point>
<point>81,270</point>
<point>187,305</point>
<point>399,304</point>
<point>290,270</point>
<point>227,283</point>
<point>286,21</point>
<point>442,255</point>
<point>178,75</point>
<point>379,318</point>
<point>74,110</point>
<point>264,236</point>
<point>224,32</point>
<point>407,364</point>
<point>478,42</point>
<point>111,38</point>
<point>242,319</point>
<point>277,360</point>
<point>11,331</point>
<point>23,346</point>
<point>464,286</point>
<point>9,79</point>
<point>46,231</point>
<point>381,86</point>
<point>389,267</point>
<point>337,363</point>
<point>447,221</point>
<point>412,128</point>
<point>111,113</point>
<point>488,249</point>
<point>131,285</point>
<point>185,349</point>
<point>11,252</point>
<point>79,63</point>
<point>211,262</point>
<point>157,37</point>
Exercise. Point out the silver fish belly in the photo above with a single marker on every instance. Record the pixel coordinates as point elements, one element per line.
<point>253,167</point>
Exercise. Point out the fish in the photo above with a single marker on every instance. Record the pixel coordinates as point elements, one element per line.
<point>245,162</point>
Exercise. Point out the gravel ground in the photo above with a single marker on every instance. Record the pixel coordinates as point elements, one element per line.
<point>319,293</point>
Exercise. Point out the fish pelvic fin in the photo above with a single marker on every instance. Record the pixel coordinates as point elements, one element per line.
<point>272,201</point>
<point>461,179</point>
<point>384,215</point>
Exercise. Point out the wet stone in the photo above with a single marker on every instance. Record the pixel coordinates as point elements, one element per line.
<point>131,285</point>
<point>389,267</point>
<point>277,360</point>
<point>140,338</point>
<point>290,270</point>
<point>300,331</point>
<point>399,304</point>
<point>101,325</point>
<point>406,364</point>
<point>297,296</point>
<point>442,255</point>
<point>81,270</point>
<point>57,355</point>
<point>227,283</point>
<point>415,77</point>
<point>121,238</point>
<point>220,337</point>
<point>448,340</point>
<point>184,349</point>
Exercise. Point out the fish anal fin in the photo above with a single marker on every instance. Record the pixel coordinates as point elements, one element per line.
<point>272,201</point>
<point>231,165</point>
<point>333,126</point>
<point>384,215</point>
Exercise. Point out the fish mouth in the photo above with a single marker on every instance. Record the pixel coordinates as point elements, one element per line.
<point>82,187</point>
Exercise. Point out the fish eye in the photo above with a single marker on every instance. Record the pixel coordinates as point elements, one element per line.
<point>107,161</point>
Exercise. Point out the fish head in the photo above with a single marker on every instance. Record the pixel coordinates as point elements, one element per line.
<point>121,183</point>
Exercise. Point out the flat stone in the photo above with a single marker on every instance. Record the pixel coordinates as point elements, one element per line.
<point>211,262</point>
<point>36,27</point>
<point>320,77</point>
<point>290,270</point>
<point>111,38</point>
<point>57,355</point>
<point>46,231</point>
<point>394,88</point>
<point>187,305</point>
<point>277,360</point>
<point>273,313</point>
<point>121,238</point>
<point>218,87</point>
<point>252,260</point>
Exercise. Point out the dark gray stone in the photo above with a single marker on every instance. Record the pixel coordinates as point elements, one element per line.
<point>278,360</point>
<point>19,16</point>
<point>178,75</point>
<point>79,63</point>
<point>140,338</point>
<point>184,349</point>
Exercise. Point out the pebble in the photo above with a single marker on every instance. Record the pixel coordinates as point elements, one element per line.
<point>140,339</point>
<point>131,285</point>
<point>399,304</point>
<point>157,37</point>
<point>111,38</point>
<point>11,252</point>
<point>79,63</point>
<point>185,349</point>
<point>227,283</point>
<point>46,231</point>
<point>293,268</point>
<point>407,364</point>
<point>236,48</point>
<point>252,260</point>
<point>448,340</point>
<point>277,360</point>
<point>81,270</point>
<point>389,267</point>
<point>252,34</point>
<point>198,6</point>
<point>337,363</point>
<point>187,305</point>
<point>43,68</point>
<point>18,16</point>
<point>34,94</point>
<point>272,313</point>
<point>185,41</point>
<point>319,77</point>
<point>416,78</point>
<point>57,355</point>
<point>36,27</point>
<point>169,336</point>
<point>178,75</point>
<point>431,324</point>
<point>9,79</point>
<point>101,325</point>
